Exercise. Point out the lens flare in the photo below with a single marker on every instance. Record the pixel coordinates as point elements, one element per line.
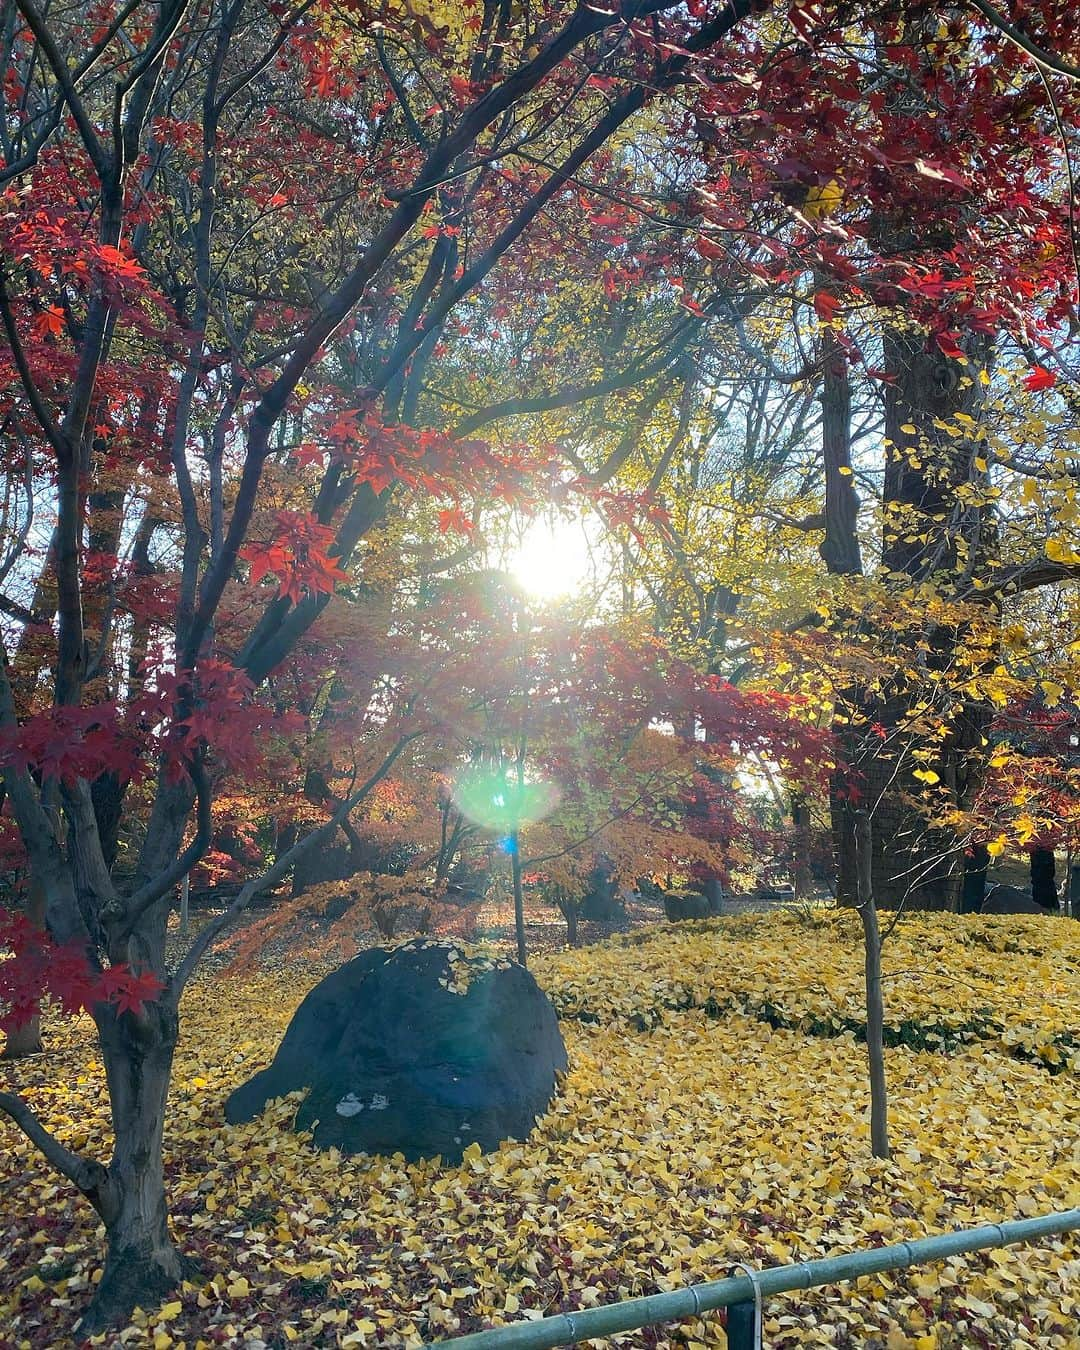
<point>494,800</point>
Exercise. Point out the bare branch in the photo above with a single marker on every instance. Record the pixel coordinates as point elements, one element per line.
<point>90,1177</point>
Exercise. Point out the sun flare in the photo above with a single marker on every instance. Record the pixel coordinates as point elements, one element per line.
<point>552,559</point>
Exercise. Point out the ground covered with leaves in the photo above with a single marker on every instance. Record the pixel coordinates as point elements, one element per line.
<point>715,1111</point>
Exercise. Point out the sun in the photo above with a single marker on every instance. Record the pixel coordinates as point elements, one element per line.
<point>553,558</point>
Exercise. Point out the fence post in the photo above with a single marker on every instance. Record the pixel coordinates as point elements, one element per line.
<point>741,1331</point>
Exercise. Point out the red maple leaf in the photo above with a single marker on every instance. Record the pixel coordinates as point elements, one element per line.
<point>298,555</point>
<point>948,343</point>
<point>117,263</point>
<point>453,518</point>
<point>133,991</point>
<point>49,323</point>
<point>1039,378</point>
<point>826,306</point>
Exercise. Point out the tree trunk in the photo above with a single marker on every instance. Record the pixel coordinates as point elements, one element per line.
<point>107,792</point>
<point>875,1005</point>
<point>26,1040</point>
<point>519,898</point>
<point>974,889</point>
<point>713,890</point>
<point>142,1264</point>
<point>1043,883</point>
<point>917,861</point>
<point>802,881</point>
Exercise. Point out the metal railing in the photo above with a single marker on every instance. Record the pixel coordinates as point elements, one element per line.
<point>743,1294</point>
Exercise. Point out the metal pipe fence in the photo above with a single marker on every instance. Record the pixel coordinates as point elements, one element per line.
<point>743,1294</point>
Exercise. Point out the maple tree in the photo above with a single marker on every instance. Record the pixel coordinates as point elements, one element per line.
<point>217,404</point>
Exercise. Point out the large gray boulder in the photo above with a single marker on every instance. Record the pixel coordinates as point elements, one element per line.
<point>420,1049</point>
<point>1010,900</point>
<point>682,905</point>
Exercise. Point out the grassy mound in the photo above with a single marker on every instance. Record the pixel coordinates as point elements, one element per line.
<point>672,1151</point>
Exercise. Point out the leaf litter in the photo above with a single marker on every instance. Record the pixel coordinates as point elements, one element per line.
<point>694,1130</point>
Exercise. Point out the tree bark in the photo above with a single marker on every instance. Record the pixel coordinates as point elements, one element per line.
<point>875,1006</point>
<point>519,898</point>
<point>142,1263</point>
<point>26,1039</point>
<point>974,888</point>
<point>927,540</point>
<point>570,914</point>
<point>802,880</point>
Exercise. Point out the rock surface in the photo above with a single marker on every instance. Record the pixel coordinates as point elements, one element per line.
<point>1010,900</point>
<point>682,905</point>
<point>421,1049</point>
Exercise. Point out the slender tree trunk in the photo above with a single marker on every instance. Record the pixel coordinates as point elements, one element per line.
<point>875,1006</point>
<point>917,861</point>
<point>519,897</point>
<point>802,881</point>
<point>142,1263</point>
<point>974,888</point>
<point>842,555</point>
<point>26,1039</point>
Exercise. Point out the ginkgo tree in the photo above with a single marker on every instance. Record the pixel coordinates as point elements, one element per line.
<point>915,267</point>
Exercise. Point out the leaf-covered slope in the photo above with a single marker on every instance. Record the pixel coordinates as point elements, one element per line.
<point>1012,982</point>
<point>670,1153</point>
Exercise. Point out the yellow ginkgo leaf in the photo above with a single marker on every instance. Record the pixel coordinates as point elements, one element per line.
<point>1052,692</point>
